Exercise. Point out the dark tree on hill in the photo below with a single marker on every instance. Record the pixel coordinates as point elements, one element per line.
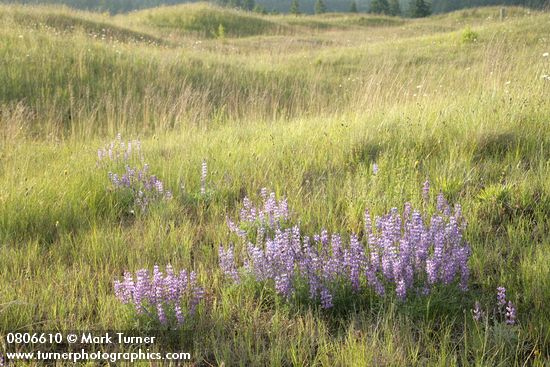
<point>259,9</point>
<point>249,4</point>
<point>450,5</point>
<point>379,7</point>
<point>353,7</point>
<point>395,8</point>
<point>420,9</point>
<point>295,7</point>
<point>320,7</point>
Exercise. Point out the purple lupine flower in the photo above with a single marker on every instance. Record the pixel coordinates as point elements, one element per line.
<point>368,225</point>
<point>356,262</point>
<point>407,210</point>
<point>401,289</point>
<point>501,298</point>
<point>227,263</point>
<point>283,284</point>
<point>458,213</point>
<point>235,229</point>
<point>128,286</point>
<point>179,314</point>
<point>171,286</point>
<point>374,282</point>
<point>264,193</point>
<point>124,290</point>
<point>426,191</point>
<point>442,205</point>
<point>402,263</point>
<point>204,172</point>
<point>336,261</point>
<point>431,271</point>
<point>477,312</point>
<point>282,211</point>
<point>388,258</point>
<point>197,293</point>
<point>374,169</point>
<point>159,186</point>
<point>417,243</point>
<point>142,289</point>
<point>160,314</point>
<point>433,265</point>
<point>326,298</point>
<point>158,286</point>
<point>510,313</point>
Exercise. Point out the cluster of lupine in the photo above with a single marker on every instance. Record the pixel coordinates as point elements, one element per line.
<point>163,296</point>
<point>266,218</point>
<point>144,188</point>
<point>402,253</point>
<point>504,310</point>
<point>120,151</point>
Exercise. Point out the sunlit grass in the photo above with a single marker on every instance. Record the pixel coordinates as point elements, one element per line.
<point>306,113</point>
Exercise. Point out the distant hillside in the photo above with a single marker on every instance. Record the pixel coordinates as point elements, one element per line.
<point>81,70</point>
<point>280,6</point>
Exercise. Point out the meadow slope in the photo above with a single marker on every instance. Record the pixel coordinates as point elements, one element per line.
<point>305,106</point>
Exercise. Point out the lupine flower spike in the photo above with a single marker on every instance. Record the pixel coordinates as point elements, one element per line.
<point>204,172</point>
<point>510,313</point>
<point>478,313</point>
<point>426,192</point>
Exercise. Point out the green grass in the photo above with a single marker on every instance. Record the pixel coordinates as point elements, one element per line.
<point>204,20</point>
<point>304,106</point>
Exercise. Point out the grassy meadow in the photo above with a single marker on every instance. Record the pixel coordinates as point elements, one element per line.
<point>304,106</point>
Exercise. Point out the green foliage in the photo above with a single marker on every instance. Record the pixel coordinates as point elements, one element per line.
<point>379,7</point>
<point>469,36</point>
<point>394,8</point>
<point>205,21</point>
<point>221,32</point>
<point>451,5</point>
<point>419,9</point>
<point>320,7</point>
<point>294,7</point>
<point>259,9</point>
<point>353,7</point>
<point>249,5</point>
